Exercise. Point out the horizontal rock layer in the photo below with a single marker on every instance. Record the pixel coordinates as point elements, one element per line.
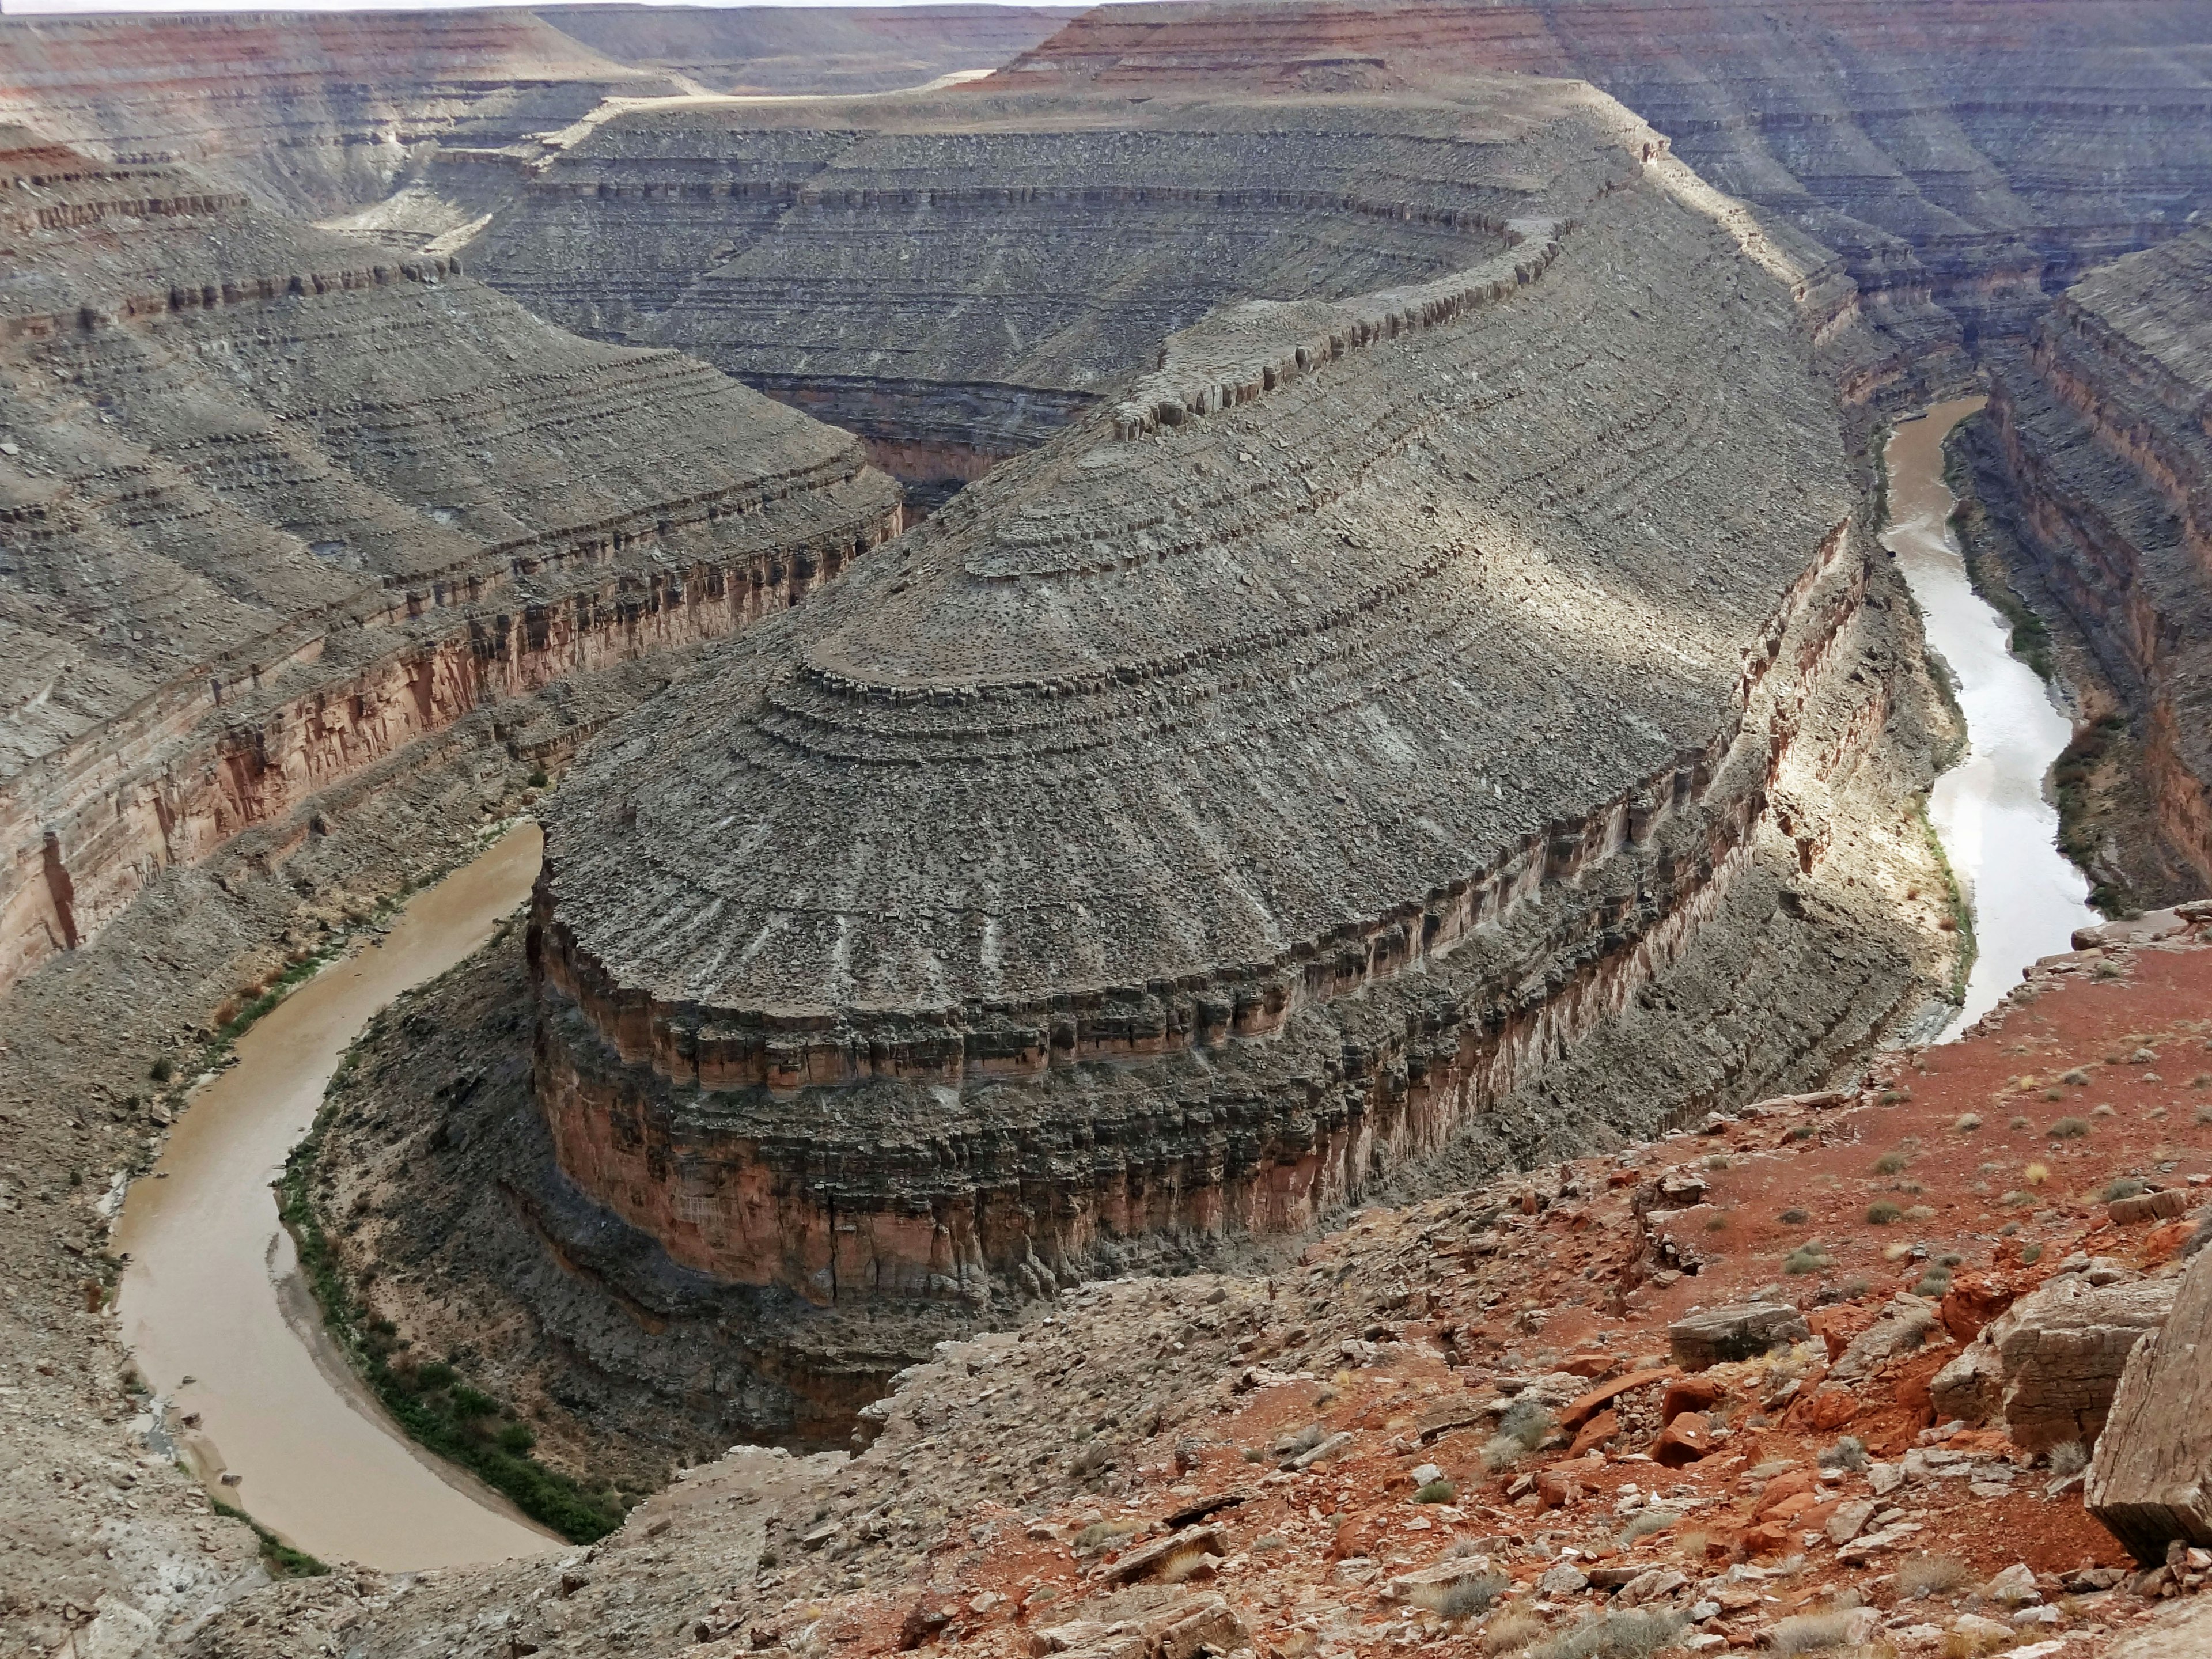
<point>1220,806</point>
<point>2102,419</point>
<point>275,505</point>
<point>1973,154</point>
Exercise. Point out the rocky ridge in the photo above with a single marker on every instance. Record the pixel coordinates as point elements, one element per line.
<point>280,504</point>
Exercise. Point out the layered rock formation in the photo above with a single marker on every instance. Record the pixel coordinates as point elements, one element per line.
<point>310,114</point>
<point>1965,158</point>
<point>798,49</point>
<point>1230,801</point>
<point>956,281</point>
<point>277,503</point>
<point>2098,467</point>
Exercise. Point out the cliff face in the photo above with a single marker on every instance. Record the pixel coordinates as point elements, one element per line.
<point>276,503</point>
<point>1237,797</point>
<point>2104,419</point>
<point>956,282</point>
<point>1965,158</point>
<point>310,114</point>
<point>822,49</point>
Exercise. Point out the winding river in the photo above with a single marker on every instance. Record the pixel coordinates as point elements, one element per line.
<point>1990,810</point>
<point>214,1306</point>
<point>213,1303</point>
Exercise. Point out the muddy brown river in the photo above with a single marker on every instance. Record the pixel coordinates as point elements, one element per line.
<point>1990,811</point>
<point>212,1302</point>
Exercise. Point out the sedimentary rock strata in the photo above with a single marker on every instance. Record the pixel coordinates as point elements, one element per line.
<point>312,113</point>
<point>2098,467</point>
<point>276,503</point>
<point>1233,798</point>
<point>759,50</point>
<point>1964,157</point>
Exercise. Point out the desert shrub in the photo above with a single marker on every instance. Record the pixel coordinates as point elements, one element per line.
<point>2068,1128</point>
<point>1185,1564</point>
<point>1812,1632</point>
<point>1924,1576</point>
<point>2069,1457</point>
<point>1920,1212</point>
<point>468,1402</point>
<point>1890,1163</point>
<point>1800,1132</point>
<point>1794,1218</point>
<point>2102,1111</point>
<point>1100,1534</point>
<point>1649,1521</point>
<point>1936,1282</point>
<point>2036,1174</point>
<point>2078,1078</point>
<point>163,1069</point>
<point>1520,1431</point>
<point>517,1438</point>
<point>1437,1492</point>
<point>2125,1187</point>
<point>1718,1223</point>
<point>1967,1124</point>
<point>1882,1214</point>
<point>2017,1123</point>
<point>1512,1633</point>
<point>1470,1598</point>
<point>1718,1161</point>
<point>2032,1253</point>
<point>1847,1453</point>
<point>1691,1546</point>
<point>1254,1454</point>
<point>2204,1114</point>
<point>1636,1634</point>
<point>1806,1258</point>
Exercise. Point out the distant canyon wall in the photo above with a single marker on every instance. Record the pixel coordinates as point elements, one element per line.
<point>2104,420</point>
<point>285,506</point>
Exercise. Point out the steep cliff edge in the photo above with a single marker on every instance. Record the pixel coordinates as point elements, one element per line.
<point>2100,467</point>
<point>277,504</point>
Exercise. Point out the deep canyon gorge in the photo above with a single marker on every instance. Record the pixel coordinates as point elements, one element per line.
<point>1132,629</point>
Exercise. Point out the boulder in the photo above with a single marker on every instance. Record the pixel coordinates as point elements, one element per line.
<point>1142,1562</point>
<point>2149,1206</point>
<point>2046,1368</point>
<point>1689,1393</point>
<point>2181,1631</point>
<point>1595,1432</point>
<point>1900,1327</point>
<point>1685,1440</point>
<point>1743,1330</point>
<point>2150,1482</point>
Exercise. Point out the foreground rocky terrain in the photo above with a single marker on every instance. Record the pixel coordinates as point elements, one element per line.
<point>1877,1327</point>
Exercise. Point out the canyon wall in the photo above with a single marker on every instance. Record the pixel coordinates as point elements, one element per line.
<point>2103,475</point>
<point>1228,802</point>
<point>1966,159</point>
<point>277,503</point>
<point>766,50</point>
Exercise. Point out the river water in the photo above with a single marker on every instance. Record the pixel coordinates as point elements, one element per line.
<point>1999,831</point>
<point>212,1292</point>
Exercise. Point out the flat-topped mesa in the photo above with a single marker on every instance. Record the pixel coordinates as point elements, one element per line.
<point>275,503</point>
<point>1192,821</point>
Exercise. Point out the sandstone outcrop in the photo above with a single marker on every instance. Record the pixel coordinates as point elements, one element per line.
<point>277,504</point>
<point>2097,464</point>
<point>2151,1481</point>
<point>1235,797</point>
<point>2046,1368</point>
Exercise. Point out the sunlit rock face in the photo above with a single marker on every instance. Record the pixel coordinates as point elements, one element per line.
<point>277,504</point>
<point>1220,806</point>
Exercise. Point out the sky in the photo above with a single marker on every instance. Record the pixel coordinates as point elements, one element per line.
<point>29,7</point>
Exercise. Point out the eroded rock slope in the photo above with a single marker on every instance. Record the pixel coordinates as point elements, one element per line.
<point>1404,680</point>
<point>277,503</point>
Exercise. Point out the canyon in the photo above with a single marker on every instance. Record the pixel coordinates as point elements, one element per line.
<point>1180,662</point>
<point>277,506</point>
